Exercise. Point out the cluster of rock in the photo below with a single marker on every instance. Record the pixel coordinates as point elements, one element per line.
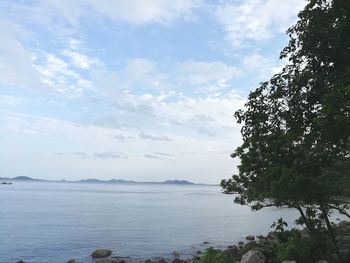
<point>245,252</point>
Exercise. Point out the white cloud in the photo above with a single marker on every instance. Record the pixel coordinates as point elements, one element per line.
<point>59,76</point>
<point>204,73</point>
<point>197,158</point>
<point>144,109</point>
<point>256,19</point>
<point>131,11</point>
<point>262,66</point>
<point>79,60</point>
<point>173,78</point>
<point>33,68</point>
<point>138,11</point>
<point>7,101</point>
<point>16,62</point>
<point>207,116</point>
<point>143,72</point>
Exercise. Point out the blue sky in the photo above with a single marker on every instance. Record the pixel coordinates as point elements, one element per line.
<point>133,89</point>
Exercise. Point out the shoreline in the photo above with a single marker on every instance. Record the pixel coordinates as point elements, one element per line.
<point>249,250</point>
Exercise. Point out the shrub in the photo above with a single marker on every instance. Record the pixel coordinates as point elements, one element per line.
<point>212,255</point>
<point>295,248</point>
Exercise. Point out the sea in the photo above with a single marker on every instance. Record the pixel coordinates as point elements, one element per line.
<point>43,222</point>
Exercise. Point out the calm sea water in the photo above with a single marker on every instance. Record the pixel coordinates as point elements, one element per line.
<point>53,222</point>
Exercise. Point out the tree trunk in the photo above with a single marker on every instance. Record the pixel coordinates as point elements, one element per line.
<point>330,232</point>
<point>313,232</point>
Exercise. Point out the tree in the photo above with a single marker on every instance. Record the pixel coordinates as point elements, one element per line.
<point>296,126</point>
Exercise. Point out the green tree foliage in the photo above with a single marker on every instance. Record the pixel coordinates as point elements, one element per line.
<point>296,126</point>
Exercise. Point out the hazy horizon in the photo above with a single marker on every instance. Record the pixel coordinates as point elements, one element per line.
<point>99,179</point>
<point>136,90</point>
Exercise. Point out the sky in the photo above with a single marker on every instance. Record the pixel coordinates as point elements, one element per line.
<point>136,89</point>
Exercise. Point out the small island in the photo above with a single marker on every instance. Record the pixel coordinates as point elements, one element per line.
<point>94,180</point>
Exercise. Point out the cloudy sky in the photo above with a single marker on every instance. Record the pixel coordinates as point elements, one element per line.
<point>135,89</point>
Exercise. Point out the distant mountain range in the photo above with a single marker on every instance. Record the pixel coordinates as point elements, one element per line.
<point>112,181</point>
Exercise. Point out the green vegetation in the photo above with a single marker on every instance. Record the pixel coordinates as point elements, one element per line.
<point>212,255</point>
<point>293,246</point>
<point>296,129</point>
<point>296,248</point>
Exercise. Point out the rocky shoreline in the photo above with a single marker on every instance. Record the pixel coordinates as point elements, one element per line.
<point>247,251</point>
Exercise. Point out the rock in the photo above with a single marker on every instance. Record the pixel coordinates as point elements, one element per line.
<point>71,261</point>
<point>320,261</point>
<point>260,237</point>
<point>162,261</point>
<point>199,252</point>
<point>21,261</point>
<point>196,258</point>
<point>241,243</point>
<point>101,253</point>
<point>232,250</point>
<point>176,254</point>
<point>206,242</point>
<point>289,261</point>
<point>250,237</point>
<point>176,260</point>
<point>272,235</point>
<point>119,259</point>
<point>247,247</point>
<point>272,238</point>
<point>148,261</point>
<point>253,256</point>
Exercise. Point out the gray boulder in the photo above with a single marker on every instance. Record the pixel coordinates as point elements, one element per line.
<point>253,256</point>
<point>176,254</point>
<point>101,253</point>
<point>232,250</point>
<point>250,237</point>
<point>247,247</point>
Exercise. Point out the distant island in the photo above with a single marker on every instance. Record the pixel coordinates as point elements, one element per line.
<point>112,181</point>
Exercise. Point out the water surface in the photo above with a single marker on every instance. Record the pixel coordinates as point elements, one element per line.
<point>44,222</point>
